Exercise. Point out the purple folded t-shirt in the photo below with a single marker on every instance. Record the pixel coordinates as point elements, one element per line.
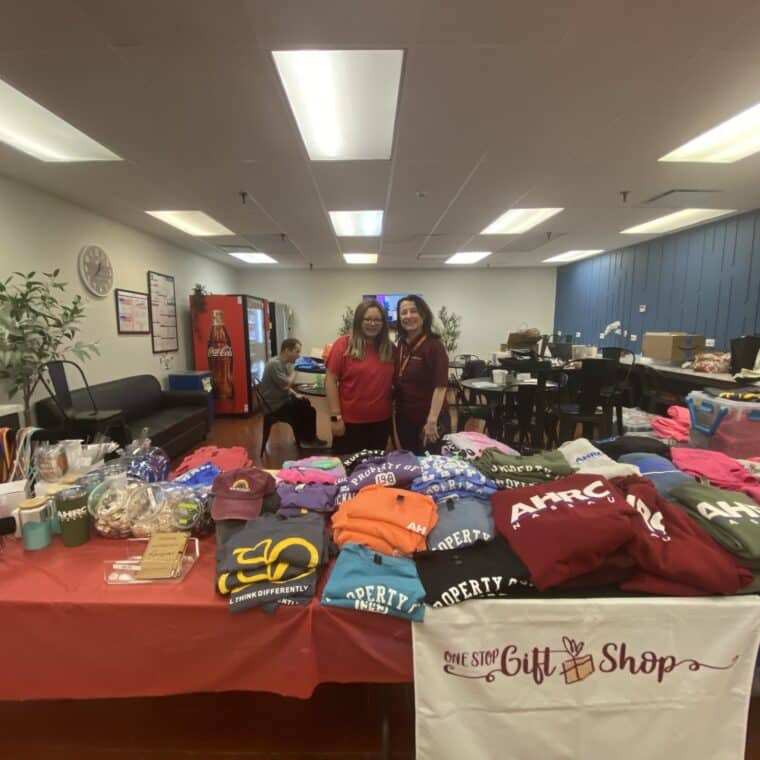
<point>317,497</point>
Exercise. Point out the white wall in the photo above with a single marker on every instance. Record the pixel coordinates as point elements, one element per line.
<point>41,232</point>
<point>492,302</point>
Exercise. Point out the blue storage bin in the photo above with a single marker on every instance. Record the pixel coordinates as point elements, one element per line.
<point>194,380</point>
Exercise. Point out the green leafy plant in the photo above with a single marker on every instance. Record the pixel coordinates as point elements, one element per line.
<point>450,329</point>
<point>346,321</point>
<point>37,326</point>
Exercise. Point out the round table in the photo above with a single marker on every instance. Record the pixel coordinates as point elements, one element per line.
<point>309,389</point>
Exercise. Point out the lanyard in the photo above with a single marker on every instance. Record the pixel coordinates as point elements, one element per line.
<point>5,455</point>
<point>405,359</point>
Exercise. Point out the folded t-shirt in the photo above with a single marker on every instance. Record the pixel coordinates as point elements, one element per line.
<point>362,579</point>
<point>484,569</point>
<point>563,529</point>
<point>628,444</point>
<point>515,471</point>
<point>461,522</point>
<point>585,457</point>
<point>662,472</point>
<point>668,546</point>
<point>730,517</point>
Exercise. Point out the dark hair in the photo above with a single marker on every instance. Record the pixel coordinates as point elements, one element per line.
<point>424,311</point>
<point>289,344</point>
<point>356,348</point>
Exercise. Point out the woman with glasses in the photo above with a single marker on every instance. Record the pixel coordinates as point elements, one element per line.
<point>421,380</point>
<point>358,382</point>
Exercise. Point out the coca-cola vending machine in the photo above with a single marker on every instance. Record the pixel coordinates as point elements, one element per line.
<point>231,340</point>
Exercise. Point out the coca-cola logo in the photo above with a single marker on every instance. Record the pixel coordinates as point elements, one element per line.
<point>569,663</point>
<point>220,353</point>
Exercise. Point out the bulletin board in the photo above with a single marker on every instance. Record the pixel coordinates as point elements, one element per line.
<point>163,312</point>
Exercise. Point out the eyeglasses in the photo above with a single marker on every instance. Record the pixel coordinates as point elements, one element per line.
<point>370,321</point>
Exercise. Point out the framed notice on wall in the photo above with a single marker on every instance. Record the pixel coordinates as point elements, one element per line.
<point>132,312</point>
<point>163,312</point>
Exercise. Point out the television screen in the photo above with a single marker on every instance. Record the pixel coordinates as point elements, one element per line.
<point>389,302</point>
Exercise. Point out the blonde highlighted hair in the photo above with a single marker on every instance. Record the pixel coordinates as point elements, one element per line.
<point>357,343</point>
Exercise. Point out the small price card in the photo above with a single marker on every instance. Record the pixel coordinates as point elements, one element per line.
<point>163,556</point>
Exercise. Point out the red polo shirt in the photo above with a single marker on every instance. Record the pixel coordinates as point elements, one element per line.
<point>426,370</point>
<point>364,386</point>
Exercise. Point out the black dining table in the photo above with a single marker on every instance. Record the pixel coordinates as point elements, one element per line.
<point>521,399</point>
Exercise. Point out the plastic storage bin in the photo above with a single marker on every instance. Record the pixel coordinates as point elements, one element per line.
<point>719,424</point>
<point>194,380</point>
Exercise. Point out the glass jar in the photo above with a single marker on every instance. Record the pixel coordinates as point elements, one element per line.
<point>90,480</point>
<point>146,510</point>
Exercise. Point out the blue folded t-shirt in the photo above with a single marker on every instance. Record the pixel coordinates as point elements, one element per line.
<point>363,579</point>
<point>662,472</point>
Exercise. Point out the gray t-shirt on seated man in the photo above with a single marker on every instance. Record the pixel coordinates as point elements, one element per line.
<point>274,387</point>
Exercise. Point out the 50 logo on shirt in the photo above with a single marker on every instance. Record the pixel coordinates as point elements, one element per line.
<point>286,560</point>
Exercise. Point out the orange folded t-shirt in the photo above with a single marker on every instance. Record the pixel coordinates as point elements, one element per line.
<point>389,520</point>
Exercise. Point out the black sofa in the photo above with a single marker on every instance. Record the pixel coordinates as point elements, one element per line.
<point>176,420</point>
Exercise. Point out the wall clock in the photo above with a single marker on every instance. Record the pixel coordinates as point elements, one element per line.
<point>95,270</point>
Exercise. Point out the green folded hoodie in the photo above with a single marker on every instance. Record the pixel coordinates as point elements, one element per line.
<point>730,517</point>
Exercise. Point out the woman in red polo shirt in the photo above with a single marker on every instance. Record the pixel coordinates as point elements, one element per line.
<point>421,379</point>
<point>359,380</point>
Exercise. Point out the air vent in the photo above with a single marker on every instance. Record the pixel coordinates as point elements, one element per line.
<point>685,198</point>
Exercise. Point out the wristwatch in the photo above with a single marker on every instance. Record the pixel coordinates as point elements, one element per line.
<point>335,418</point>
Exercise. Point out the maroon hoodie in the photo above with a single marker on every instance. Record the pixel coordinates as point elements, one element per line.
<point>673,552</point>
<point>565,528</point>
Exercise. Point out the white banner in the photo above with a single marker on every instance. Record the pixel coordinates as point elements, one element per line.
<point>585,679</point>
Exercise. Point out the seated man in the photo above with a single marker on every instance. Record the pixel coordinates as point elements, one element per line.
<point>279,398</point>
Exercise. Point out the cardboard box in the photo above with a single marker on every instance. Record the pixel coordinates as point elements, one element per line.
<point>671,346</point>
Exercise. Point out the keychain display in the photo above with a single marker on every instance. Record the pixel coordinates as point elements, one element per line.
<point>108,506</point>
<point>160,508</point>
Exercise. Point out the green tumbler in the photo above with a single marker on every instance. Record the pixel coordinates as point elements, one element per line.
<point>74,516</point>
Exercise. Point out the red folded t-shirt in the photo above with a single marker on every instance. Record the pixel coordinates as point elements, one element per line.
<point>563,529</point>
<point>675,555</point>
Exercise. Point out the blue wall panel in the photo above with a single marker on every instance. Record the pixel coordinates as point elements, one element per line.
<point>704,281</point>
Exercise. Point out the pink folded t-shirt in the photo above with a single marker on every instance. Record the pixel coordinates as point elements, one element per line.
<point>676,425</point>
<point>721,470</point>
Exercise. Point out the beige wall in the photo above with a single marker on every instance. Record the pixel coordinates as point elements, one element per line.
<point>492,302</point>
<point>40,232</point>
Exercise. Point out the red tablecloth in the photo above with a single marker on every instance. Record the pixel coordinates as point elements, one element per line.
<point>65,633</point>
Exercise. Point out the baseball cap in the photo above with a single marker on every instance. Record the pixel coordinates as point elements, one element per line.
<point>239,494</point>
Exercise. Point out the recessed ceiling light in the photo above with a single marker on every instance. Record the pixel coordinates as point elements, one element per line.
<point>676,220</point>
<point>518,220</point>
<point>343,101</point>
<point>251,257</point>
<point>467,257</point>
<point>29,127</point>
<point>734,139</point>
<point>195,223</point>
<point>574,255</point>
<point>357,223</point>
<point>360,258</point>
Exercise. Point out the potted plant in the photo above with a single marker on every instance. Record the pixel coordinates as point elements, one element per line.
<point>346,321</point>
<point>37,325</point>
<point>450,328</point>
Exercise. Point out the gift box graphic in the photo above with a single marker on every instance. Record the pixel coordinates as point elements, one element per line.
<point>577,668</point>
